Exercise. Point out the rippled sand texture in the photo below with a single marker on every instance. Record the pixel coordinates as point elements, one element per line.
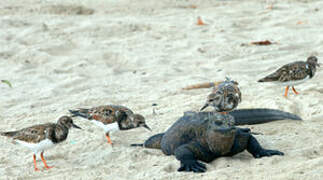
<point>66,54</point>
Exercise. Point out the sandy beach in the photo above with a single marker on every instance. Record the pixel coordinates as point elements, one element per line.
<point>67,54</point>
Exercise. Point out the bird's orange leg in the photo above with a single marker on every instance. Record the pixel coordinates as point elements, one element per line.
<point>108,138</point>
<point>44,161</point>
<point>34,157</point>
<point>224,113</point>
<point>295,90</point>
<point>286,91</point>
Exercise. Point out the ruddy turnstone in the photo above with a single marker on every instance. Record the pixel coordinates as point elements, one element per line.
<point>112,118</point>
<point>293,73</point>
<point>225,97</point>
<point>38,138</point>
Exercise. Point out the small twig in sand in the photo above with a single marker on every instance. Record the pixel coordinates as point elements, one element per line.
<point>192,6</point>
<point>301,22</point>
<point>200,21</point>
<point>259,43</point>
<point>202,85</point>
<point>262,43</point>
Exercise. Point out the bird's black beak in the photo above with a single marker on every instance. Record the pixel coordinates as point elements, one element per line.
<point>205,106</point>
<point>75,126</point>
<point>147,127</point>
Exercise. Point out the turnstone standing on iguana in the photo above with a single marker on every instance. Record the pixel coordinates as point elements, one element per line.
<point>205,136</point>
<point>38,138</point>
<point>112,118</point>
<point>225,97</point>
<point>293,73</point>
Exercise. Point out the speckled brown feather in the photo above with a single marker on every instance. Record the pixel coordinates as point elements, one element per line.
<point>228,87</point>
<point>106,114</point>
<point>298,70</point>
<point>40,137</point>
<point>224,97</point>
<point>56,132</point>
<point>34,134</point>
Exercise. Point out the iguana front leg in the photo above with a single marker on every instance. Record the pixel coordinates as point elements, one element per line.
<point>188,154</point>
<point>257,151</point>
<point>247,130</point>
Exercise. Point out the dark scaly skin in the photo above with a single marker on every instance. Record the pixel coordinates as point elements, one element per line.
<point>260,115</point>
<point>193,128</point>
<point>205,136</point>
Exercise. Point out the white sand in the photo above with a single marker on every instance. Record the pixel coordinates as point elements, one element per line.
<point>71,53</point>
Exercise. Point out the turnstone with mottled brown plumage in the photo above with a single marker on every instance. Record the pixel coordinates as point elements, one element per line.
<point>111,118</point>
<point>38,138</point>
<point>225,96</point>
<point>293,73</point>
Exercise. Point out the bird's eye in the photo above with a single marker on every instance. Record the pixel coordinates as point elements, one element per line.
<point>107,112</point>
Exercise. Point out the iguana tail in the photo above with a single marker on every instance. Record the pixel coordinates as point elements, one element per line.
<point>152,142</point>
<point>259,116</point>
<point>202,85</point>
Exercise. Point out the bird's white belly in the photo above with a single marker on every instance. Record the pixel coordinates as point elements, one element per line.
<point>37,147</point>
<point>107,127</point>
<point>293,83</point>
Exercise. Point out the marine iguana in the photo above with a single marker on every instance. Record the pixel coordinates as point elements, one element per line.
<point>205,136</point>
